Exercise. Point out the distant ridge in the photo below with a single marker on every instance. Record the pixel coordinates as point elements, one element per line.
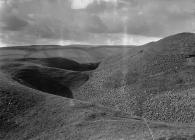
<point>78,53</point>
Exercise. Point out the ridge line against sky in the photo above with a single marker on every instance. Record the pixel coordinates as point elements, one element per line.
<point>113,22</point>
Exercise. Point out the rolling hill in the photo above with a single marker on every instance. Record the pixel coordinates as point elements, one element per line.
<point>102,93</point>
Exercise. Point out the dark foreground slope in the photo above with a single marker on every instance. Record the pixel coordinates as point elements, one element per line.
<point>155,81</point>
<point>30,114</point>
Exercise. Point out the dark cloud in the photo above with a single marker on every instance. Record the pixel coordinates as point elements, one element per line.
<point>14,23</point>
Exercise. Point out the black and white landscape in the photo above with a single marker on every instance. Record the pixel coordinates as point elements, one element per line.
<point>145,93</point>
<point>61,80</point>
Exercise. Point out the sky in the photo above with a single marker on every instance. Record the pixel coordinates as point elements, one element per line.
<point>113,22</point>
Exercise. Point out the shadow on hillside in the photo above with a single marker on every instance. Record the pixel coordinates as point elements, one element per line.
<point>51,75</point>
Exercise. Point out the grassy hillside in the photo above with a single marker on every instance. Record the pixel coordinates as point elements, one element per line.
<point>30,114</point>
<point>103,93</point>
<point>128,80</point>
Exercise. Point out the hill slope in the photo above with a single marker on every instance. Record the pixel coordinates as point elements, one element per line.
<point>136,80</point>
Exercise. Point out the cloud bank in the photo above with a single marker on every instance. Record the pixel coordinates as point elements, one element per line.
<point>32,21</point>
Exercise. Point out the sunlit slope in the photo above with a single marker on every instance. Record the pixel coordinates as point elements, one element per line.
<point>136,81</point>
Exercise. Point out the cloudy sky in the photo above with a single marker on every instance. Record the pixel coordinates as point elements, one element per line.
<point>93,21</point>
